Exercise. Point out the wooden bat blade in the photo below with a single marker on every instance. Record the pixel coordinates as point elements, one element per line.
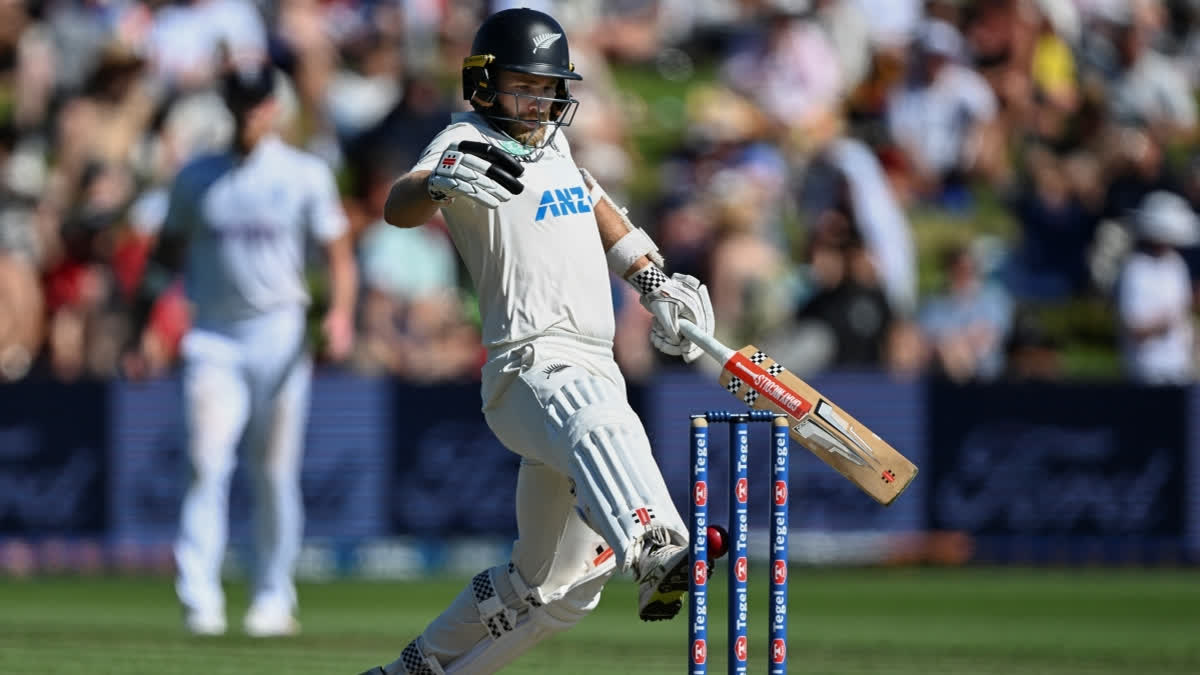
<point>820,425</point>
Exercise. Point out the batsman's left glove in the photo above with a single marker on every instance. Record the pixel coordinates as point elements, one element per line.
<point>477,171</point>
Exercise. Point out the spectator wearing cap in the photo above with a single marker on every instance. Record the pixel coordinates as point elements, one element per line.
<point>1154,296</point>
<point>968,323</point>
<point>941,120</point>
<point>1150,88</point>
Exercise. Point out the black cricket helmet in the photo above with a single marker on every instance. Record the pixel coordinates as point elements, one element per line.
<point>521,40</point>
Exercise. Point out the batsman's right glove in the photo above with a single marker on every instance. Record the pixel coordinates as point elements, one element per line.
<point>477,171</point>
<point>670,299</point>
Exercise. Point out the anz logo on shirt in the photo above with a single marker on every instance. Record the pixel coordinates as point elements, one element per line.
<point>563,202</point>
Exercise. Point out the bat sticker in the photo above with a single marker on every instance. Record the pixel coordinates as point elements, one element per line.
<point>826,411</point>
<point>763,382</point>
<point>820,437</point>
<point>816,423</point>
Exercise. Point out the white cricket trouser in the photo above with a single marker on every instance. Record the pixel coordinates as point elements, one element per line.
<point>245,383</point>
<point>560,403</point>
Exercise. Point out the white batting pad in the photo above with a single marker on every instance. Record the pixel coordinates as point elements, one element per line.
<point>557,548</point>
<point>618,485</point>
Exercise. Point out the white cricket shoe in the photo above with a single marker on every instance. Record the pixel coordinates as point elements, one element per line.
<point>662,576</point>
<point>207,623</point>
<point>265,621</point>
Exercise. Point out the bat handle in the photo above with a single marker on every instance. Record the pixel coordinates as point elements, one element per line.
<point>708,343</point>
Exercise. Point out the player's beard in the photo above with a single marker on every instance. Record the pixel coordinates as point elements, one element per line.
<point>521,132</point>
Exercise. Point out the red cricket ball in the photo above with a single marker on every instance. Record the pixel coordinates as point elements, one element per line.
<point>718,542</point>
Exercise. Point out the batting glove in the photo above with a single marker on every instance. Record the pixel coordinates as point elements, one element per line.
<point>477,171</point>
<point>669,300</point>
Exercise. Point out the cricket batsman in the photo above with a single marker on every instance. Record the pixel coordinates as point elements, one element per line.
<point>238,224</point>
<point>540,237</point>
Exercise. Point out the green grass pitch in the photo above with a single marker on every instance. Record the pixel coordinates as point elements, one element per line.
<point>897,621</point>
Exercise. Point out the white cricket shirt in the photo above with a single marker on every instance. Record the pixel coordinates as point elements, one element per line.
<point>248,222</point>
<point>537,260</point>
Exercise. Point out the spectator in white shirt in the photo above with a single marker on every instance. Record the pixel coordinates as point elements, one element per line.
<point>1150,89</point>
<point>849,32</point>
<point>792,73</point>
<point>940,119</point>
<point>1154,293</point>
<point>190,41</point>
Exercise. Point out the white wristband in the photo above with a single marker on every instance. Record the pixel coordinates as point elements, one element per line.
<point>629,249</point>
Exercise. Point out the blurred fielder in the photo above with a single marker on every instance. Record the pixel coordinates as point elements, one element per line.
<point>238,223</point>
<point>540,237</point>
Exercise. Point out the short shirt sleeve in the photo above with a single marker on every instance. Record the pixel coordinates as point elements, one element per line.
<point>451,134</point>
<point>183,202</point>
<point>327,218</point>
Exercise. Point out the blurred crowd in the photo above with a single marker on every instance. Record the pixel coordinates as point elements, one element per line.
<point>787,175</point>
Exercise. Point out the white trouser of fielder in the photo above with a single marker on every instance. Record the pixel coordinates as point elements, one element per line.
<point>559,403</point>
<point>245,382</point>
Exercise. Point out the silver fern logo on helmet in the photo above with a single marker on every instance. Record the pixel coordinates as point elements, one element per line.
<point>544,41</point>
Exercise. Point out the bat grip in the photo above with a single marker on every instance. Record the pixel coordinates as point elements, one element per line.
<point>708,343</point>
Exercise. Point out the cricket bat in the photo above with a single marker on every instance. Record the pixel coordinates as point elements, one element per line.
<point>817,423</point>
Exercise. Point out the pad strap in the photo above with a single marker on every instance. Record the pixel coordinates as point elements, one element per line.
<point>495,615</point>
<point>523,591</point>
<point>415,661</point>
